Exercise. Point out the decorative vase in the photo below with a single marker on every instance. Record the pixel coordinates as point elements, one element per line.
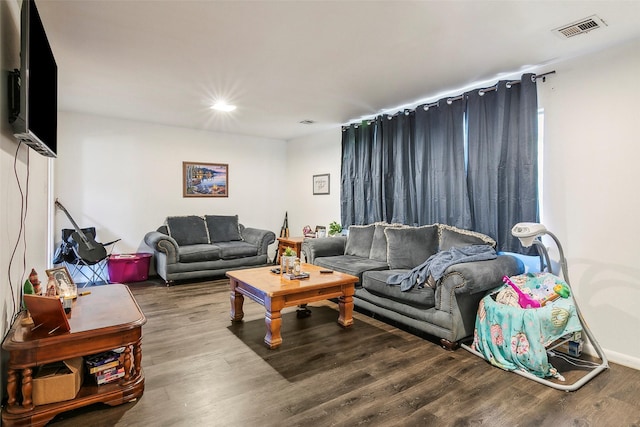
<point>286,263</point>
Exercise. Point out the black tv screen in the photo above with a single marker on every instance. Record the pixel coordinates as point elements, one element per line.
<point>36,123</point>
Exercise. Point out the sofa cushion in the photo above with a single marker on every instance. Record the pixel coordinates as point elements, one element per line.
<point>223,228</point>
<point>410,246</point>
<point>350,264</point>
<point>359,240</point>
<point>451,236</point>
<point>187,230</point>
<point>198,253</point>
<point>233,250</point>
<point>375,282</point>
<point>379,243</point>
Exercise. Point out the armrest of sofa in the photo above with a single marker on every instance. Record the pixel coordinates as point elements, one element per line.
<point>481,276</point>
<point>163,243</point>
<point>470,278</point>
<point>261,238</point>
<point>464,285</point>
<point>324,246</point>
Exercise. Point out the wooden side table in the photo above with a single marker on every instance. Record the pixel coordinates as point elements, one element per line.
<point>106,319</point>
<point>294,243</point>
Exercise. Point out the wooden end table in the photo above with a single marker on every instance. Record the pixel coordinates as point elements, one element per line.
<point>294,243</point>
<point>275,292</point>
<point>108,318</point>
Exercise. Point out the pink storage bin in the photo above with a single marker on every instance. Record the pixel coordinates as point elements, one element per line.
<point>124,268</point>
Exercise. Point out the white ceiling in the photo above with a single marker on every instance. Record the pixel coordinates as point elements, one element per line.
<point>282,62</point>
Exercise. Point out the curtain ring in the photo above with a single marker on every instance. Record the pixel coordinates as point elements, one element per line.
<point>508,85</point>
<point>481,92</point>
<point>449,101</point>
<point>426,107</point>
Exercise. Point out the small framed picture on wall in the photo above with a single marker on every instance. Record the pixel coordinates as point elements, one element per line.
<point>321,184</point>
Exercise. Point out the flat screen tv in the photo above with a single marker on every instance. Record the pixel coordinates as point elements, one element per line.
<point>34,96</point>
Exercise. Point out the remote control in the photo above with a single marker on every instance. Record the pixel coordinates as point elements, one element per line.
<point>326,271</point>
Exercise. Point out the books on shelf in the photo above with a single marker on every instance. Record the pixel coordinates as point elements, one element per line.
<point>110,375</point>
<point>104,367</point>
<point>100,368</point>
<point>100,359</point>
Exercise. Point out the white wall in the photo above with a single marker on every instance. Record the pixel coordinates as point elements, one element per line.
<point>317,154</point>
<point>125,177</point>
<point>23,234</point>
<point>590,178</point>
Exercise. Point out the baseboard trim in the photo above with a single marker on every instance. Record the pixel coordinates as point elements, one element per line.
<point>623,359</point>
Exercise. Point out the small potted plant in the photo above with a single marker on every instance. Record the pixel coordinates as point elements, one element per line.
<point>287,258</point>
<point>335,229</point>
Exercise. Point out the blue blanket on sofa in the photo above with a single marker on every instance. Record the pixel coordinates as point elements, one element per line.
<point>436,265</point>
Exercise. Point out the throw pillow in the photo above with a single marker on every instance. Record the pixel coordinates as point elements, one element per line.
<point>223,228</point>
<point>379,243</point>
<point>187,230</point>
<point>359,240</point>
<point>451,237</point>
<point>411,246</point>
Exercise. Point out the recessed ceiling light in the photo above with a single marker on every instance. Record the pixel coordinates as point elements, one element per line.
<point>307,122</point>
<point>223,106</point>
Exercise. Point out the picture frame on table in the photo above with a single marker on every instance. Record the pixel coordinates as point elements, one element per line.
<point>205,179</point>
<point>64,282</point>
<point>321,184</point>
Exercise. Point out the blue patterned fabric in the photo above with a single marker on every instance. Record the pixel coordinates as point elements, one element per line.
<point>515,338</point>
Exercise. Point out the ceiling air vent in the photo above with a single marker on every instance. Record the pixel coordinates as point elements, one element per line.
<point>582,26</point>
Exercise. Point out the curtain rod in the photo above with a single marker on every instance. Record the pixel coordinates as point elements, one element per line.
<point>490,89</point>
<point>482,91</point>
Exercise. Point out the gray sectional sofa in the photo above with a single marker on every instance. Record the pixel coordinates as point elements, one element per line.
<point>199,247</point>
<point>446,307</point>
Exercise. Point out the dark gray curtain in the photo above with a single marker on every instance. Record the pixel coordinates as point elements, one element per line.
<point>397,138</point>
<point>370,159</point>
<point>412,167</point>
<point>502,163</point>
<point>356,178</point>
<point>407,168</point>
<point>440,169</point>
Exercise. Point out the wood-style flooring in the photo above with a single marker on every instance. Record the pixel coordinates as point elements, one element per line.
<point>202,370</point>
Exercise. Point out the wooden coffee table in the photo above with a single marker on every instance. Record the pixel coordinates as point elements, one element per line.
<point>275,292</point>
<point>107,318</point>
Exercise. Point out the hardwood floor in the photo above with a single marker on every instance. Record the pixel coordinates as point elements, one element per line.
<point>202,370</point>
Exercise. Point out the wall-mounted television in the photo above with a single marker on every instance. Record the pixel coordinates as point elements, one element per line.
<point>33,97</point>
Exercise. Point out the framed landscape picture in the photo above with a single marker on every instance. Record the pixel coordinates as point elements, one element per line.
<point>321,184</point>
<point>205,179</point>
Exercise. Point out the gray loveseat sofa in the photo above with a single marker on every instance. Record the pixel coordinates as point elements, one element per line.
<point>199,247</point>
<point>445,308</point>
